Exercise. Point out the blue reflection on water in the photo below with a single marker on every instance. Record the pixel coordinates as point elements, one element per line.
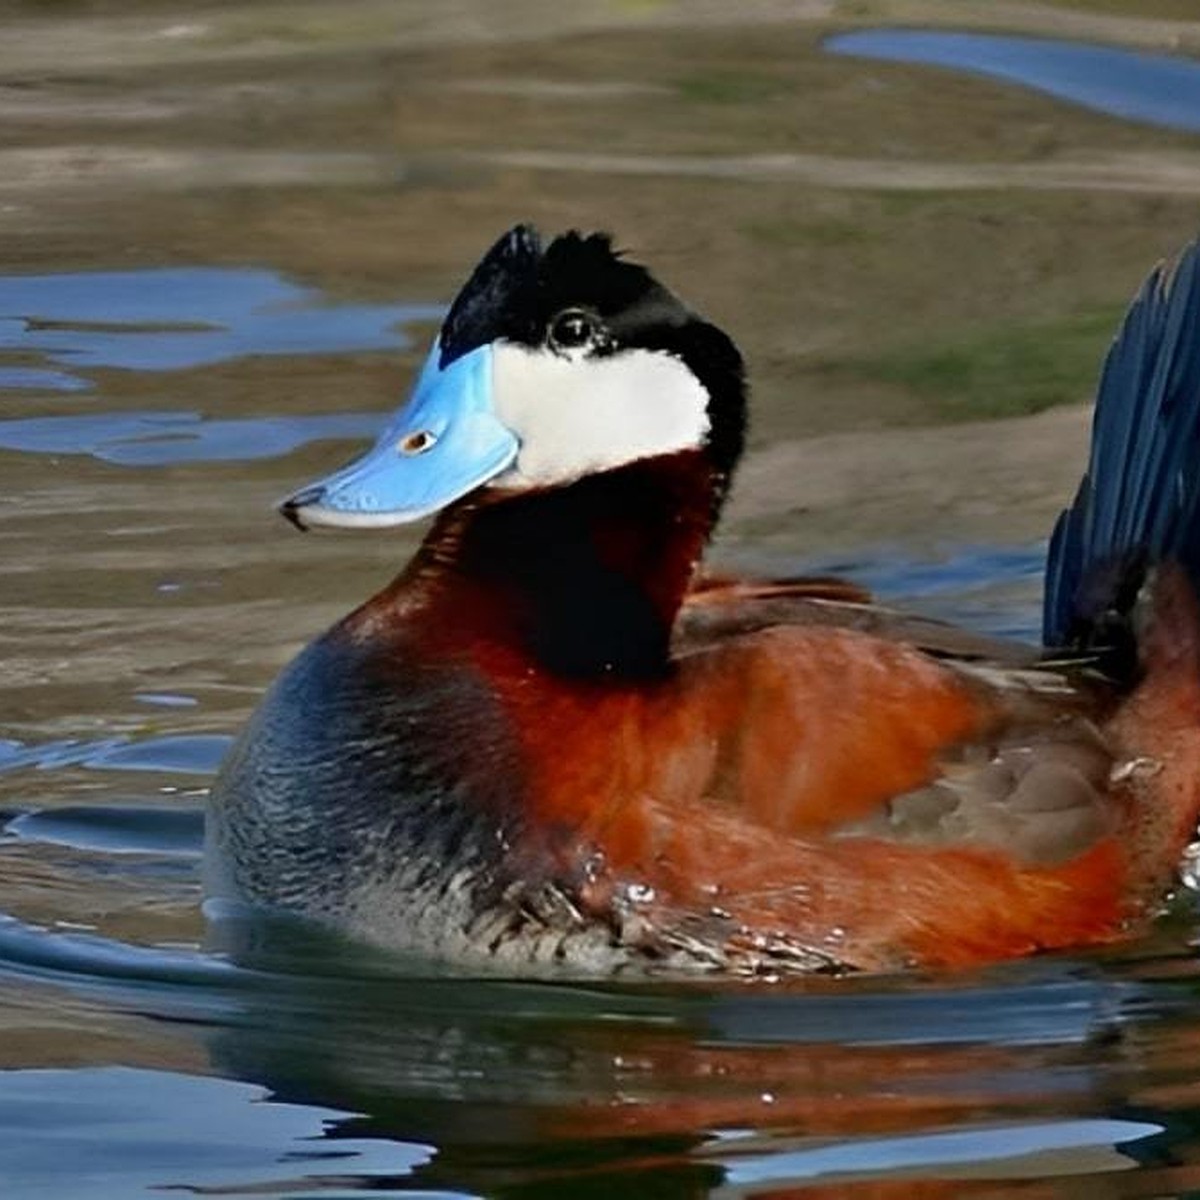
<point>194,754</point>
<point>169,320</point>
<point>121,1133</point>
<point>1159,89</point>
<point>40,379</point>
<point>174,318</point>
<point>113,828</point>
<point>155,439</point>
<point>972,1147</point>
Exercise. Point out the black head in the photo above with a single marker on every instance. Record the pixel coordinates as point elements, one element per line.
<point>578,296</point>
<point>553,366</point>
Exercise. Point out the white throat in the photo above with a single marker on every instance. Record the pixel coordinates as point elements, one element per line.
<point>576,415</point>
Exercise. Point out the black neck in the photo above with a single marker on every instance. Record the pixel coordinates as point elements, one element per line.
<point>587,578</point>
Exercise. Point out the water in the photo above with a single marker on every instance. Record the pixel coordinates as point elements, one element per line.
<point>204,300</point>
<point>173,320</point>
<point>1158,89</point>
<point>120,1126</point>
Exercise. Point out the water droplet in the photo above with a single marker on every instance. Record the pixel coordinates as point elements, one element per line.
<point>1189,867</point>
<point>1143,768</point>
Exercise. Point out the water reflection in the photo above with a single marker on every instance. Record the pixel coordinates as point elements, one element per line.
<point>120,1130</point>
<point>545,1089</point>
<point>191,753</point>
<point>113,829</point>
<point>173,318</point>
<point>153,439</point>
<point>1158,89</point>
<point>980,1152</point>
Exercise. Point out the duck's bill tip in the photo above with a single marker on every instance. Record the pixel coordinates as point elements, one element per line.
<point>307,510</point>
<point>295,508</point>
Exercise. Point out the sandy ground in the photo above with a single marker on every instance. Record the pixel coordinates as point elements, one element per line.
<point>976,481</point>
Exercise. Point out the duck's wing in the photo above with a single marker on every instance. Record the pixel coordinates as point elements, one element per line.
<point>898,791</point>
<point>999,745</point>
<point>809,791</point>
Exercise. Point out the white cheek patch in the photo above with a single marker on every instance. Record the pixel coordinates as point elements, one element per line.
<point>575,415</point>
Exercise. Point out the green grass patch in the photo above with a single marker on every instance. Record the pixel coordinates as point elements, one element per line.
<point>901,203</point>
<point>729,87</point>
<point>1004,371</point>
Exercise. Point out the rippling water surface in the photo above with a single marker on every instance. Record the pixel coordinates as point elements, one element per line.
<point>226,235</point>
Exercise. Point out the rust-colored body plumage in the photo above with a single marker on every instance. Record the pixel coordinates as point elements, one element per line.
<point>743,803</point>
<point>551,740</point>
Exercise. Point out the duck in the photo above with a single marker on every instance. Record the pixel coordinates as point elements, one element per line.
<point>554,743</point>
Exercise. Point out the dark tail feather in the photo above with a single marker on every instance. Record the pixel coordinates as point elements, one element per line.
<point>1139,503</point>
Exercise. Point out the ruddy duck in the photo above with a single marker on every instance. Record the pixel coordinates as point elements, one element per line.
<point>550,740</point>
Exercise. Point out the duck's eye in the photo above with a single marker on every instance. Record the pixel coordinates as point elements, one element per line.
<point>417,443</point>
<point>571,329</point>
